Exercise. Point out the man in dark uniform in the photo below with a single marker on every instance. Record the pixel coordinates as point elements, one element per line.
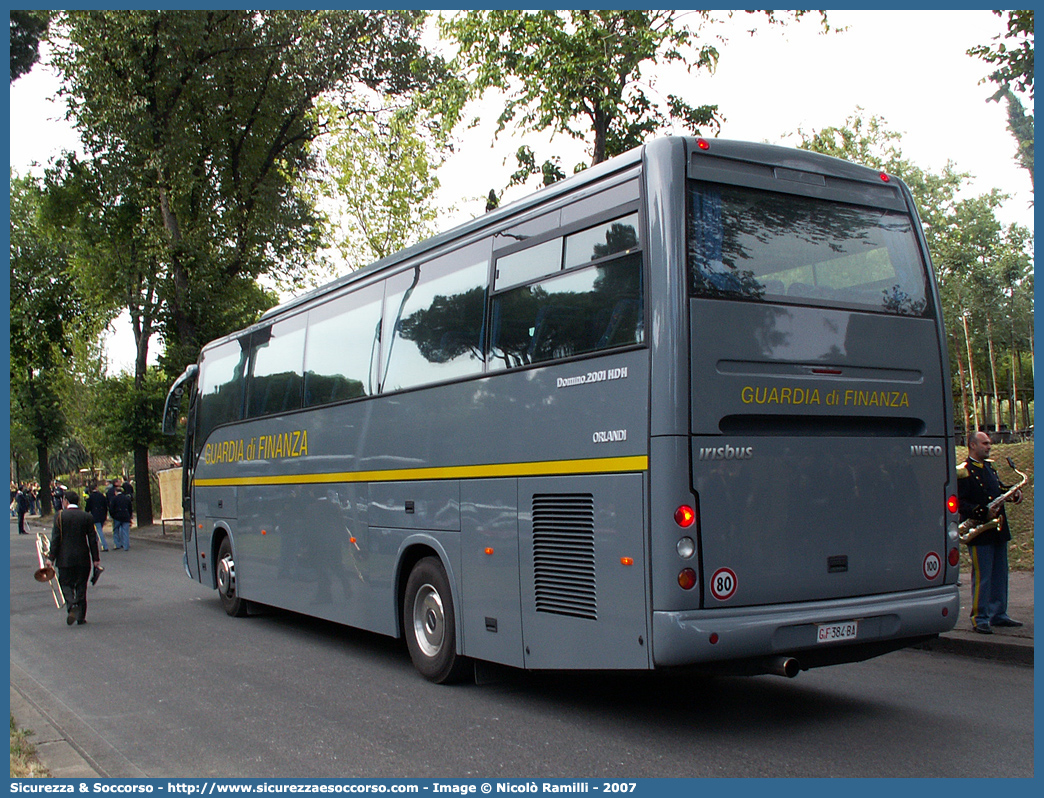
<point>74,547</point>
<point>99,510</point>
<point>978,485</point>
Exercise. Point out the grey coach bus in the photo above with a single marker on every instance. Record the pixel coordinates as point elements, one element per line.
<point>690,406</point>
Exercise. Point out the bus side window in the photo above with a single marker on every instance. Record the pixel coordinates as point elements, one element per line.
<point>585,308</point>
<point>221,381</point>
<point>342,347</point>
<point>276,381</point>
<point>433,320</point>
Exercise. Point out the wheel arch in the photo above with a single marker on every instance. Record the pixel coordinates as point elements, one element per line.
<point>221,531</point>
<point>413,550</point>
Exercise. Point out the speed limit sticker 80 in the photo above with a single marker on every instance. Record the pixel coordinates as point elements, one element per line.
<point>723,584</point>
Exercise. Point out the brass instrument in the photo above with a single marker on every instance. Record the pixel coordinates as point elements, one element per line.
<point>971,529</point>
<point>45,573</point>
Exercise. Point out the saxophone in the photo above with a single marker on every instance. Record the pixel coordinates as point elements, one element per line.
<point>971,529</point>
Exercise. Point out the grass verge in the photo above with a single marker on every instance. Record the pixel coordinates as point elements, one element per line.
<point>24,762</point>
<point>1020,516</point>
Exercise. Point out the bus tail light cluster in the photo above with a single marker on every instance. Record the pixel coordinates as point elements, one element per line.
<point>953,556</point>
<point>685,517</point>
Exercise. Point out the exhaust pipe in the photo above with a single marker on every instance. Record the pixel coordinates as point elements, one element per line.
<point>783,666</point>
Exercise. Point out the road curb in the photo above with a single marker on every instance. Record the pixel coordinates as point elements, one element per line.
<point>52,749</point>
<point>1015,651</point>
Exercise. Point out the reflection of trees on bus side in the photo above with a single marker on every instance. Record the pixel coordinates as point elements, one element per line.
<point>798,247</point>
<point>618,238</point>
<point>537,322</point>
<point>449,328</point>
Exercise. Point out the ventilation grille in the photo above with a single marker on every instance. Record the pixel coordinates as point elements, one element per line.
<point>563,554</point>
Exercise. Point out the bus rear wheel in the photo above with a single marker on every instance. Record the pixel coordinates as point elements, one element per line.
<point>226,580</point>
<point>429,623</point>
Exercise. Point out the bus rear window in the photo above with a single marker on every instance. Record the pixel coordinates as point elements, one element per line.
<point>762,246</point>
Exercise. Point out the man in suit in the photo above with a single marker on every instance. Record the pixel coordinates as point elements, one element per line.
<point>74,547</point>
<point>99,510</point>
<point>977,486</point>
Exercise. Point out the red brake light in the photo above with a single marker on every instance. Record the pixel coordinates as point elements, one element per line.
<point>951,504</point>
<point>885,178</point>
<point>684,516</point>
<point>954,556</point>
<point>703,144</point>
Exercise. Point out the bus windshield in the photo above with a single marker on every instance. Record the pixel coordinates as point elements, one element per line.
<point>758,245</point>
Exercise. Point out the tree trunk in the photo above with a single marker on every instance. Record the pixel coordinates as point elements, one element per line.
<point>993,376</point>
<point>142,486</point>
<point>44,472</point>
<point>971,371</point>
<point>964,392</point>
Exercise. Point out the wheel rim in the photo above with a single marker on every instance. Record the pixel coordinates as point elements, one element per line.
<point>226,576</point>
<point>429,621</point>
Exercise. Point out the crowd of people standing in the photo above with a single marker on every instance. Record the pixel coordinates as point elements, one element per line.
<point>116,503</point>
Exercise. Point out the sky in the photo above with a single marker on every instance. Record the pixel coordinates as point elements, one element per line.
<point>908,67</point>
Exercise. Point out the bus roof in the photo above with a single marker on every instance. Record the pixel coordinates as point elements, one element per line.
<point>736,151</point>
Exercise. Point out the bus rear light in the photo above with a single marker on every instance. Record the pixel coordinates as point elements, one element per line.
<point>951,504</point>
<point>954,556</point>
<point>687,579</point>
<point>713,638</point>
<point>885,178</point>
<point>684,516</point>
<point>703,144</point>
<point>686,548</point>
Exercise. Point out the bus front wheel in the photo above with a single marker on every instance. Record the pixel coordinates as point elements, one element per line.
<point>428,621</point>
<point>226,579</point>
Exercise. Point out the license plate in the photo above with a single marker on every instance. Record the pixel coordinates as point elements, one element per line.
<point>830,632</point>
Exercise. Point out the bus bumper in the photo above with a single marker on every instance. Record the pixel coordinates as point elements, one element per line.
<point>884,623</point>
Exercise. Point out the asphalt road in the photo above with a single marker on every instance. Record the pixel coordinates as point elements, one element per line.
<point>161,683</point>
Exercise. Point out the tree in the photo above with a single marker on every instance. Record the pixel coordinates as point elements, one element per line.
<point>586,73</point>
<point>982,267</point>
<point>1012,54</point>
<point>197,125</point>
<point>45,307</point>
<point>382,178</point>
<point>202,120</point>
<point>27,28</point>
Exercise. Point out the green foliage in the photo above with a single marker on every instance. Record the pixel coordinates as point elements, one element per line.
<point>27,28</point>
<point>580,72</point>
<point>45,310</point>
<point>586,74</point>
<point>985,270</point>
<point>382,177</point>
<point>132,414</point>
<point>1011,53</point>
<point>201,121</point>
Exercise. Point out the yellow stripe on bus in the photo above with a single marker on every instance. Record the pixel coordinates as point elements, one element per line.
<point>606,465</point>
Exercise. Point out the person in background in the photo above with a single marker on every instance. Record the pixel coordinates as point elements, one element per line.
<point>73,550</point>
<point>120,510</point>
<point>57,492</point>
<point>22,505</point>
<point>99,510</point>
<point>977,486</point>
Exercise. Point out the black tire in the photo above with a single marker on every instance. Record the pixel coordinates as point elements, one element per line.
<point>226,579</point>
<point>428,621</point>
